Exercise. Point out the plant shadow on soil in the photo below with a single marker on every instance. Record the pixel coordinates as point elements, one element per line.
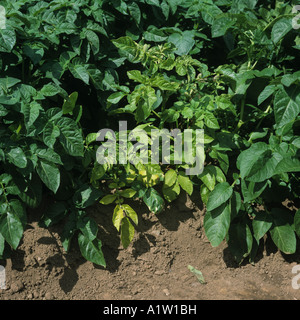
<point>69,262</point>
<point>169,219</point>
<point>181,211</point>
<point>59,260</point>
<point>266,248</point>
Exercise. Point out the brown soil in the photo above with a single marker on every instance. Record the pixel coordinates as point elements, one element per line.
<point>153,267</point>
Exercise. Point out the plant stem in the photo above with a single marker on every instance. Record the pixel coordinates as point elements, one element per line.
<point>165,97</point>
<point>242,109</point>
<point>276,19</point>
<point>23,72</point>
<point>261,120</point>
<point>4,192</point>
<point>240,123</point>
<point>255,63</point>
<point>158,116</point>
<point>235,181</point>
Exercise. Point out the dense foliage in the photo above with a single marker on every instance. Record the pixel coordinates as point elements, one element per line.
<point>71,68</point>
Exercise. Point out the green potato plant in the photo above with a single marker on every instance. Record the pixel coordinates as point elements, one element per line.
<point>69,69</point>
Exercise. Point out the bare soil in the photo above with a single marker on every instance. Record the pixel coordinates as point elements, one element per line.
<point>154,267</point>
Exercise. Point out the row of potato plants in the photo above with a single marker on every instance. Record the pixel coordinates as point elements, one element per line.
<point>69,69</point>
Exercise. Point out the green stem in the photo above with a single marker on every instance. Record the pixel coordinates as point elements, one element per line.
<point>261,120</point>
<point>158,116</point>
<point>29,74</point>
<point>23,72</point>
<point>241,122</point>
<point>255,63</point>
<point>4,192</point>
<point>188,78</point>
<point>249,62</point>
<point>235,181</point>
<point>275,20</point>
<point>242,109</point>
<point>165,97</point>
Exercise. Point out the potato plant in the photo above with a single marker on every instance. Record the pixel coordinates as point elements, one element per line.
<point>228,67</point>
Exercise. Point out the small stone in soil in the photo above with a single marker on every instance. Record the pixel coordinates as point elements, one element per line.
<point>159,272</point>
<point>49,296</point>
<point>195,284</point>
<point>166,292</point>
<point>17,286</point>
<point>156,233</point>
